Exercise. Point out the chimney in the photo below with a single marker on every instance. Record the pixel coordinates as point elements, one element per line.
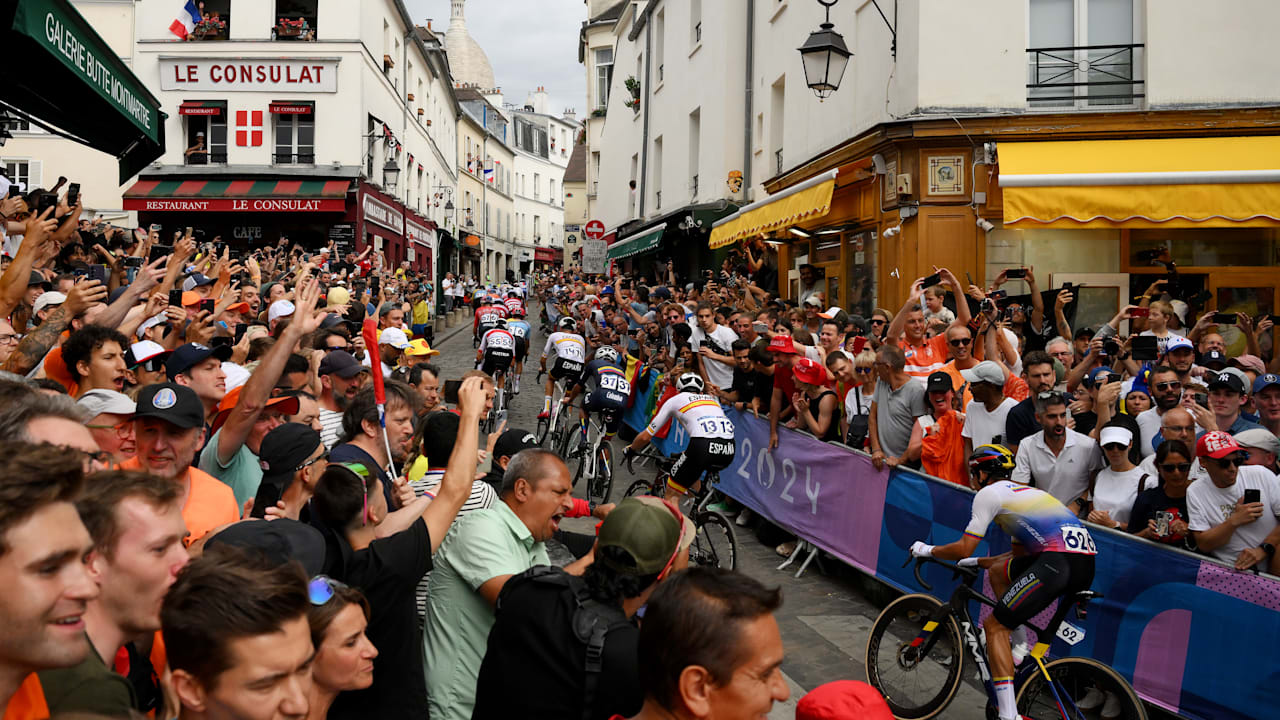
<point>570,114</point>
<point>540,100</point>
<point>428,23</point>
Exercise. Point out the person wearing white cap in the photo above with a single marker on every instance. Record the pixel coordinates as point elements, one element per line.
<point>1115,487</point>
<point>46,302</point>
<point>111,422</point>
<point>392,342</point>
<point>1262,446</point>
<point>278,310</point>
<point>145,361</point>
<point>986,416</point>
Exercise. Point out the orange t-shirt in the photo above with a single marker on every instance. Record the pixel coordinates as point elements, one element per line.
<point>28,702</point>
<point>210,504</point>
<point>926,359</point>
<point>942,450</point>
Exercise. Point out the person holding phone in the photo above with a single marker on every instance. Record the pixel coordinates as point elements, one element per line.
<point>1159,315</point>
<point>1234,516</point>
<point>1160,513</point>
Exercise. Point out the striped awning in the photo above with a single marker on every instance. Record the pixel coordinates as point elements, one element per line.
<point>237,195</point>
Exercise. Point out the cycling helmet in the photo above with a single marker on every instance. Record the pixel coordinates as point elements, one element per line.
<point>517,311</point>
<point>690,382</point>
<point>995,460</point>
<point>607,353</point>
<point>567,323</point>
<point>502,322</point>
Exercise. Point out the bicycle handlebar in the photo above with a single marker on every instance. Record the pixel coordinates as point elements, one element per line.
<point>957,571</point>
<point>631,455</point>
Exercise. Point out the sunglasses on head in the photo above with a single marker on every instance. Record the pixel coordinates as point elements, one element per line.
<point>322,588</point>
<point>1175,467</point>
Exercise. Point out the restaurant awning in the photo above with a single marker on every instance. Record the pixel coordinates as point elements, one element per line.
<point>61,75</point>
<point>238,195</point>
<point>307,107</point>
<point>808,200</point>
<point>1158,183</point>
<point>202,107</point>
<point>636,244</point>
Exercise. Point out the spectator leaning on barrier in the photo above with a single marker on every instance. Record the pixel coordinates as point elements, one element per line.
<point>897,402</point>
<point>936,438</point>
<point>1113,489</point>
<point>783,349</point>
<point>1057,459</point>
<point>1234,515</point>
<point>1160,513</point>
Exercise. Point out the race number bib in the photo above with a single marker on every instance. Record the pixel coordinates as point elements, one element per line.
<point>616,383</point>
<point>1078,540</point>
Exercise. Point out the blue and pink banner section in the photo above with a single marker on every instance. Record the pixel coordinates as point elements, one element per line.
<point>1192,635</point>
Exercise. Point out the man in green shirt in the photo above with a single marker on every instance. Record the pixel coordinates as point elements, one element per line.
<point>480,554</point>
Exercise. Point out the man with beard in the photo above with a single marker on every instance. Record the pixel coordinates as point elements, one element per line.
<point>1180,355</point>
<point>135,520</point>
<point>1037,365</point>
<point>362,433</point>
<point>341,377</point>
<point>1166,394</point>
<point>1057,459</point>
<point>110,421</point>
<point>169,426</point>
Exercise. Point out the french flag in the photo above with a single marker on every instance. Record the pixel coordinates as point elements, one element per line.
<point>488,174</point>
<point>186,21</point>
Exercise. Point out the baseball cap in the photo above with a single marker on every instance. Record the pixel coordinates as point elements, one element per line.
<point>649,530</point>
<point>813,300</point>
<point>280,541</point>
<point>420,348</point>
<point>513,441</point>
<point>1216,357</point>
<point>150,323</point>
<point>1259,438</point>
<point>171,402</point>
<point>1265,381</point>
<point>986,371</point>
<point>240,307</point>
<point>237,375</point>
<point>337,296</point>
<point>192,354</point>
<point>1216,444</point>
<point>1091,378</point>
<point>96,402</point>
<point>1115,434</point>
<point>394,337</point>
<point>340,363</point>
<point>661,292</point>
<point>841,700</point>
<point>190,297</point>
<point>1249,362</point>
<point>831,313</point>
<point>283,405</point>
<point>1232,379</point>
<point>49,299</point>
<point>37,278</point>
<point>1177,342</point>
<point>195,280</point>
<point>283,450</point>
<point>143,351</point>
<point>607,290</point>
<point>810,371</point>
<point>279,309</point>
<point>939,382</point>
<point>782,344</point>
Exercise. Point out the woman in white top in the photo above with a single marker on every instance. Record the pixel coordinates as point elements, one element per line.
<point>1115,487</point>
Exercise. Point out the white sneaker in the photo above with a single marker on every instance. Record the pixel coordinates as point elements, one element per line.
<point>1111,708</point>
<point>744,517</point>
<point>1092,700</point>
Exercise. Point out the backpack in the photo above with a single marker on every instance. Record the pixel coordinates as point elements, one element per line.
<point>592,622</point>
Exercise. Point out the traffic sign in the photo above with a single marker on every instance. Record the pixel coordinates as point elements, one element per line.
<point>594,230</point>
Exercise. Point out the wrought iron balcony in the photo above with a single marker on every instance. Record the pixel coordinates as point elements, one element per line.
<point>1085,76</point>
<point>206,158</point>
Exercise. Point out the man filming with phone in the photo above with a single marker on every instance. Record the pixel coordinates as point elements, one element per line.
<point>1233,517</point>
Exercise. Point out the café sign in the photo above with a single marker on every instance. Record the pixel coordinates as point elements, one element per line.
<point>277,75</point>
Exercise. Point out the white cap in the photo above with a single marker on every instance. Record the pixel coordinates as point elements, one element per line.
<point>279,309</point>
<point>394,337</point>
<point>49,299</point>
<point>150,323</point>
<point>236,375</point>
<point>1115,434</point>
<point>145,350</point>
<point>97,402</point>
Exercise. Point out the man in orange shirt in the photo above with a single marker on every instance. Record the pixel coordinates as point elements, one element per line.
<point>169,426</point>
<point>925,356</point>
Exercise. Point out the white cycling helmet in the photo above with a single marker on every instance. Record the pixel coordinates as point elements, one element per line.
<point>567,323</point>
<point>607,353</point>
<point>690,382</point>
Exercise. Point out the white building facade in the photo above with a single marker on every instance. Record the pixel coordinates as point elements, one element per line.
<point>543,144</point>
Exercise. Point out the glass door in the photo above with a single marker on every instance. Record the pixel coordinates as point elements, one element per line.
<point>1252,292</point>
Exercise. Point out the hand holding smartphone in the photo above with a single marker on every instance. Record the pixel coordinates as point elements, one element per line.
<point>1252,495</point>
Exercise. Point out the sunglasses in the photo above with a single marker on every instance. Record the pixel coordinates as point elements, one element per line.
<point>1229,462</point>
<point>1111,447</point>
<point>864,370</point>
<point>876,322</point>
<point>309,463</point>
<point>1167,386</point>
<point>322,588</point>
<point>1175,467</point>
<point>960,342</point>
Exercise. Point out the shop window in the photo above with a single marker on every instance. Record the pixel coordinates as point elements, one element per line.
<point>215,19</point>
<point>295,20</point>
<point>24,173</point>
<point>207,137</point>
<point>1208,248</point>
<point>295,132</point>
<point>860,276</point>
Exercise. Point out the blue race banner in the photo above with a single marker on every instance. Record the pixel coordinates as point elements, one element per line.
<point>1191,634</point>
<point>638,416</point>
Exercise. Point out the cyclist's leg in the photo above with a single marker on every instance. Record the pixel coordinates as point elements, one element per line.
<point>546,387</point>
<point>1031,584</point>
<point>686,472</point>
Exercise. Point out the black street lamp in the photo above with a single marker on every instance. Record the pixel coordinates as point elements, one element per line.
<point>390,174</point>
<point>825,56</point>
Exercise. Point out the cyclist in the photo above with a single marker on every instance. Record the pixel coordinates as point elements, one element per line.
<point>487,315</point>
<point>513,303</point>
<point>605,382</point>
<point>520,329</point>
<point>1052,556</point>
<point>711,445</point>
<point>497,348</point>
<point>569,353</point>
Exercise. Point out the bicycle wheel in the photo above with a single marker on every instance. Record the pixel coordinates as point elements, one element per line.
<point>1073,679</point>
<point>639,487</point>
<point>541,431</point>
<point>714,544</point>
<point>915,686</point>
<point>603,483</point>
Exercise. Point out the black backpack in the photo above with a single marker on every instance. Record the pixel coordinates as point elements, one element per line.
<point>592,622</point>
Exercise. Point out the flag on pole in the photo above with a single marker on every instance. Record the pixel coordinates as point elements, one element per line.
<point>186,21</point>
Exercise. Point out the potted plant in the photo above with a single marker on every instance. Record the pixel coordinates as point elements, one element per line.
<point>633,86</point>
<point>210,27</point>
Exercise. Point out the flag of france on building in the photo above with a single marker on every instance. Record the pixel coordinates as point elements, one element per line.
<point>488,174</point>
<point>186,21</point>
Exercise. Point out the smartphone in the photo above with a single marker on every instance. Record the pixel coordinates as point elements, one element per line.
<point>932,280</point>
<point>99,273</point>
<point>858,344</point>
<point>1145,347</point>
<point>1224,318</point>
<point>1252,495</point>
<point>131,261</point>
<point>1202,399</point>
<point>760,327</point>
<point>1114,377</point>
<point>451,391</point>
<point>175,298</point>
<point>46,201</point>
<point>240,330</point>
<point>73,194</point>
<point>220,341</point>
<point>208,305</point>
<point>1015,273</point>
<point>1140,312</point>
<point>14,190</point>
<point>998,295</point>
<point>155,227</point>
<point>1110,348</point>
<point>159,251</point>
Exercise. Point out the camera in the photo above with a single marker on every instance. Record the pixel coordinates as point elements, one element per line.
<point>1110,348</point>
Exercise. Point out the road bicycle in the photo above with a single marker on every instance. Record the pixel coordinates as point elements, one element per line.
<point>556,427</point>
<point>501,398</point>
<point>916,657</point>
<point>714,542</point>
<point>595,456</point>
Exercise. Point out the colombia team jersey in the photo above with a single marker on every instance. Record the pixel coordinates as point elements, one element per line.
<point>1031,517</point>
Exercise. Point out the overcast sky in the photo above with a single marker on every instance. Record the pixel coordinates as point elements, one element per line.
<point>529,43</point>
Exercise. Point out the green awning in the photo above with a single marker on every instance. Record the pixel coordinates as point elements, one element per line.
<point>636,244</point>
<point>60,74</point>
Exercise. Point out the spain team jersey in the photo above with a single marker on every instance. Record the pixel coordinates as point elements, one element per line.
<point>569,346</point>
<point>1032,517</point>
<point>701,416</point>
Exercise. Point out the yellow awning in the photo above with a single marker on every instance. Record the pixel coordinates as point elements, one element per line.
<point>806,201</point>
<point>1164,183</point>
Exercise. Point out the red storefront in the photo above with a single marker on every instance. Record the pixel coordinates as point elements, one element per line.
<point>421,236</point>
<point>379,221</point>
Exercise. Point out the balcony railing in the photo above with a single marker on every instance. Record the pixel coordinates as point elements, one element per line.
<point>1085,76</point>
<point>211,158</point>
<point>294,158</point>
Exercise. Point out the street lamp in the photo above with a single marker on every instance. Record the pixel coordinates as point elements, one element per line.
<point>390,174</point>
<point>825,56</point>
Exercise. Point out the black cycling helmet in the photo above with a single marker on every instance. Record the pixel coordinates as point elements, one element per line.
<point>995,460</point>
